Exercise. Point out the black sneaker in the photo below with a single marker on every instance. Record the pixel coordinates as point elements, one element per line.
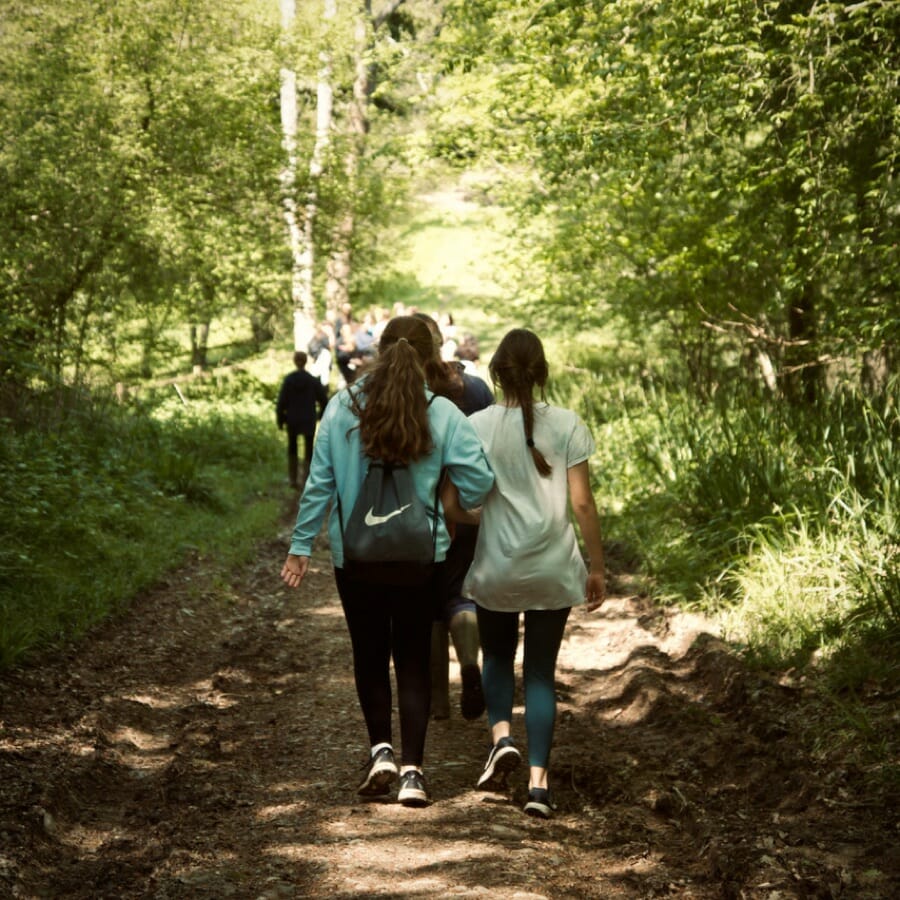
<point>412,789</point>
<point>503,759</point>
<point>539,804</point>
<point>471,701</point>
<point>381,773</point>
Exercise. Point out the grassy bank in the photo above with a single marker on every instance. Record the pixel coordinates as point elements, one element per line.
<point>780,521</point>
<point>100,500</point>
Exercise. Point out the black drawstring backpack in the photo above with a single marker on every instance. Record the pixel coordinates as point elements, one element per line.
<point>390,537</point>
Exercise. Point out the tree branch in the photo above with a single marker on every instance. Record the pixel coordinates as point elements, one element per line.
<point>380,18</point>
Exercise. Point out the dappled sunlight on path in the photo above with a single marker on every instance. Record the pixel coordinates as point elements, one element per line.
<point>208,744</point>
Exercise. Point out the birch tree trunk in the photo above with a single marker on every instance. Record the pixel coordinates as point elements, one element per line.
<point>337,284</point>
<point>324,108</point>
<point>301,237</point>
<point>289,174</point>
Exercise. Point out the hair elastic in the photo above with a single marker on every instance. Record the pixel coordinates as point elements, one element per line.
<point>530,442</point>
<point>402,339</point>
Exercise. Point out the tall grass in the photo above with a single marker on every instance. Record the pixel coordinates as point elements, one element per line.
<point>99,500</point>
<point>780,520</point>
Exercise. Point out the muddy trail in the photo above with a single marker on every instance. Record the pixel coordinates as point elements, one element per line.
<point>208,743</point>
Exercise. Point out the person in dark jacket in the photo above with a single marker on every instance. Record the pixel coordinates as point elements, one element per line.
<point>301,402</point>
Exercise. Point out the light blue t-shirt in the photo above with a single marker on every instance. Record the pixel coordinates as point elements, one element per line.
<point>339,467</point>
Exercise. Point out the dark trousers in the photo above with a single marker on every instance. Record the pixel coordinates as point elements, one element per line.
<point>294,444</point>
<point>391,622</point>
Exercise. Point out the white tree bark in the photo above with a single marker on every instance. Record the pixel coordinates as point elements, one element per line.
<point>302,237</point>
<point>324,109</point>
<point>338,269</point>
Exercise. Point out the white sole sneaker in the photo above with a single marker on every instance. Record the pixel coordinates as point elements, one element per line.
<point>412,789</point>
<point>380,775</point>
<point>539,804</point>
<point>502,760</point>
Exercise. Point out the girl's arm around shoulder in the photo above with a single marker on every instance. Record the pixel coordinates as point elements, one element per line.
<point>453,511</point>
<point>463,456</point>
<point>584,509</point>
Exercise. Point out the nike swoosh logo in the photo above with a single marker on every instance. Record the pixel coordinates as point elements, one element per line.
<point>372,519</point>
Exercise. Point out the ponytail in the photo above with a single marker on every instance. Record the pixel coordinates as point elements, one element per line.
<point>390,401</point>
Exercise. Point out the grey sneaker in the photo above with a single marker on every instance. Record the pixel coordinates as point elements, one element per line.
<point>413,791</point>
<point>381,773</point>
<point>503,759</point>
<point>539,803</point>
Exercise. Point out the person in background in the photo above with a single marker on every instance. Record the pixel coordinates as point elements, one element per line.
<point>345,353</point>
<point>344,316</point>
<point>457,614</point>
<point>448,332</point>
<point>527,560</point>
<point>389,414</point>
<point>467,352</point>
<point>381,317</point>
<point>301,402</point>
<point>364,339</point>
<point>319,349</point>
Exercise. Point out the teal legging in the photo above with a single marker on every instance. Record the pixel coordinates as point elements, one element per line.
<point>499,632</point>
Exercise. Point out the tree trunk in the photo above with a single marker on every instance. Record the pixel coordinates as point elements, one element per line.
<point>804,371</point>
<point>199,345</point>
<point>339,267</point>
<point>301,238</point>
<point>340,264</point>
<point>261,329</point>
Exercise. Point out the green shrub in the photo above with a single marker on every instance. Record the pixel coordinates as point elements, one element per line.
<point>100,502</point>
<point>779,519</point>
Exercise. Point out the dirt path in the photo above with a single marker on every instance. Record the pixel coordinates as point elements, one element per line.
<point>208,745</point>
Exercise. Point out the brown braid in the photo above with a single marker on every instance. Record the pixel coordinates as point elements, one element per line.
<point>517,368</point>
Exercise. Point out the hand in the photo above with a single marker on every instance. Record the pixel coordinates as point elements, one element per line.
<point>470,516</point>
<point>294,570</point>
<point>594,590</point>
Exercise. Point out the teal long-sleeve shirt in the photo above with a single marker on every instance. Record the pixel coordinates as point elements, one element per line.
<point>339,466</point>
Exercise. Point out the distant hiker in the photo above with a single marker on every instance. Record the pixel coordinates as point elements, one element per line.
<point>345,353</point>
<point>301,402</point>
<point>467,352</point>
<point>320,352</point>
<point>457,612</point>
<point>448,337</point>
<point>389,415</point>
<point>527,558</point>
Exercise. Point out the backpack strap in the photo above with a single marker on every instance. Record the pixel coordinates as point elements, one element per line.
<point>437,497</point>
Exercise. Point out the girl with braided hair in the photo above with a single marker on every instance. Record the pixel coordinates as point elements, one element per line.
<point>389,414</point>
<point>527,560</point>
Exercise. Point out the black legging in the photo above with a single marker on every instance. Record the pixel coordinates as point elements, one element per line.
<point>385,622</point>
